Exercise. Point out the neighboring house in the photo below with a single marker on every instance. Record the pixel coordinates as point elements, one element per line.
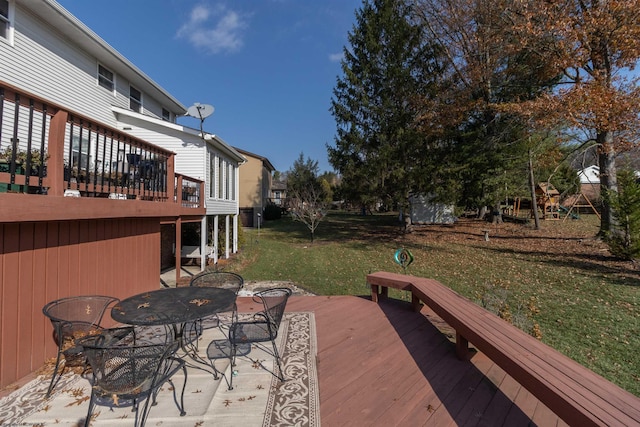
<point>590,175</point>
<point>47,51</point>
<point>590,182</point>
<point>278,193</point>
<point>255,187</point>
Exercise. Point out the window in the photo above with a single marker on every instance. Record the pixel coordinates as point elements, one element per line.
<point>220,179</point>
<point>105,78</point>
<point>212,175</point>
<point>227,190</point>
<point>6,18</point>
<point>80,157</point>
<point>232,177</point>
<point>166,115</point>
<point>135,99</point>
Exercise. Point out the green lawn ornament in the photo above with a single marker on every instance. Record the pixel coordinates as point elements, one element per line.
<point>404,258</point>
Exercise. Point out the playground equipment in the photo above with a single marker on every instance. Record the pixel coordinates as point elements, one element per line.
<point>577,201</point>
<point>548,200</point>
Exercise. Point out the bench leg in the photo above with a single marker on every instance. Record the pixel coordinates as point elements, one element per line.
<point>378,291</point>
<point>374,293</point>
<point>415,303</point>
<point>462,347</point>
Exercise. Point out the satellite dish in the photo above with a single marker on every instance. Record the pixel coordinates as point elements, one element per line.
<point>200,111</point>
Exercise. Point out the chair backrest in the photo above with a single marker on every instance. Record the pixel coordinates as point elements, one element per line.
<point>120,366</point>
<point>274,301</point>
<point>85,308</point>
<point>218,279</point>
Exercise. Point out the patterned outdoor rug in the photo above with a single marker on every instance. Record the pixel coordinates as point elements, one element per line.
<point>258,397</point>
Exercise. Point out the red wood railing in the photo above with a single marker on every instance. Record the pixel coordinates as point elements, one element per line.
<point>47,149</point>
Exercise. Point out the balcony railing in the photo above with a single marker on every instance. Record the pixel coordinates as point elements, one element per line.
<point>192,189</point>
<point>46,149</point>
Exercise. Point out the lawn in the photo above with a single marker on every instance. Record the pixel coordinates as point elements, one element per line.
<point>559,283</point>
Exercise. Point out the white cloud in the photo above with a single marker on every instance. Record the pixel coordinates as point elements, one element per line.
<point>215,30</point>
<point>336,57</point>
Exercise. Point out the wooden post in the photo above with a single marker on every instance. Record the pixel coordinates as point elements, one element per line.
<point>462,347</point>
<point>178,249</point>
<point>415,303</point>
<point>171,180</point>
<point>55,148</point>
<point>374,293</point>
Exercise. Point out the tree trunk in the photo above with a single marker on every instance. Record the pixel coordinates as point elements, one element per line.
<point>532,187</point>
<point>608,179</point>
<point>482,212</point>
<point>497,214</point>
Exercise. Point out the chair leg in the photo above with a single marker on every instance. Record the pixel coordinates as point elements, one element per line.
<point>87,420</point>
<point>234,349</point>
<point>275,353</point>
<point>184,385</point>
<point>141,419</point>
<point>53,382</point>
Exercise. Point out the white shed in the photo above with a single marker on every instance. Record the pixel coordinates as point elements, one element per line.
<point>424,210</point>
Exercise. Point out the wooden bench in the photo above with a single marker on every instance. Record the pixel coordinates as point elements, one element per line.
<point>576,394</point>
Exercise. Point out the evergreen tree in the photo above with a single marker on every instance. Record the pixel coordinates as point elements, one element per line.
<point>378,149</point>
<point>624,241</point>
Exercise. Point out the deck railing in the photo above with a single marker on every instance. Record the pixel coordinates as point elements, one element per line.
<point>189,191</point>
<point>47,149</point>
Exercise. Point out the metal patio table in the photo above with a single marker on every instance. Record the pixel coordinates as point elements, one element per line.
<point>179,308</point>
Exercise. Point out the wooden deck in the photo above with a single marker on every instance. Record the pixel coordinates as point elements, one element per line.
<point>382,364</point>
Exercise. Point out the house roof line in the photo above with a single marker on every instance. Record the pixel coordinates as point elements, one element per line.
<point>263,159</point>
<point>214,140</point>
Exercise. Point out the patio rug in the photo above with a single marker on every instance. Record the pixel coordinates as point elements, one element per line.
<point>258,397</point>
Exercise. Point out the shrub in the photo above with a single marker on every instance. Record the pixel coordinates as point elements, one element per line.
<point>272,211</point>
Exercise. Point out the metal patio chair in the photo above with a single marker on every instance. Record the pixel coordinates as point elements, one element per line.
<point>263,326</point>
<point>73,318</point>
<point>127,373</point>
<point>219,279</point>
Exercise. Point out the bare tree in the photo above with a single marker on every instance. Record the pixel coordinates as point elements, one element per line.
<point>307,199</point>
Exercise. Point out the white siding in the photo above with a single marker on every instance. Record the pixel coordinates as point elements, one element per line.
<point>48,64</point>
<point>191,156</point>
<point>40,57</point>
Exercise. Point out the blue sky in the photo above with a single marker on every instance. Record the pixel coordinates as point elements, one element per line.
<point>267,66</point>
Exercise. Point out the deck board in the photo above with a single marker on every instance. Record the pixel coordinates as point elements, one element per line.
<point>382,364</point>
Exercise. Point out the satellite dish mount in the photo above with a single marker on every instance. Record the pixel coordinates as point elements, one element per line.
<point>200,111</point>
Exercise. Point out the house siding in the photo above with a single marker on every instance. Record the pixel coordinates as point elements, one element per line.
<point>255,185</point>
<point>41,55</point>
<point>192,158</point>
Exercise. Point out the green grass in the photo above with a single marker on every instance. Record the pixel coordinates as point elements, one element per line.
<point>585,303</point>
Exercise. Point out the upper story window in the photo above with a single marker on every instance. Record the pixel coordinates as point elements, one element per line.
<point>135,99</point>
<point>6,20</point>
<point>106,78</point>
<point>166,115</point>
